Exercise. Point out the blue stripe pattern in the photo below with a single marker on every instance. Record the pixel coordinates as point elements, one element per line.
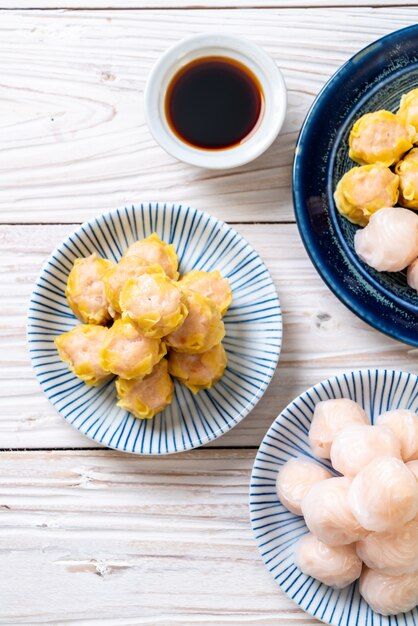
<point>252,342</point>
<point>276,530</point>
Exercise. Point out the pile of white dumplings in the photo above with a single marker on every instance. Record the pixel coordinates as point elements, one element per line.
<point>364,522</point>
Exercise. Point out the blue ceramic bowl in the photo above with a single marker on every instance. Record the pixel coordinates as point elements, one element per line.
<point>252,339</point>
<point>276,530</point>
<point>373,79</point>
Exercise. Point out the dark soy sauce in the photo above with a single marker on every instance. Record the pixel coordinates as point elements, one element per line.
<point>214,103</point>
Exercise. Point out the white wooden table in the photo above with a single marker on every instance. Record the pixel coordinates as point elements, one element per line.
<point>89,536</point>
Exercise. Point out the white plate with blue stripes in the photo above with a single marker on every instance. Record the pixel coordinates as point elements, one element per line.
<point>252,341</point>
<point>276,530</point>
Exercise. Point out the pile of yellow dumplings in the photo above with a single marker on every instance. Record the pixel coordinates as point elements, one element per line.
<point>142,323</point>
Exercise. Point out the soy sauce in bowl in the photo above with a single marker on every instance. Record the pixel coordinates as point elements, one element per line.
<point>214,103</point>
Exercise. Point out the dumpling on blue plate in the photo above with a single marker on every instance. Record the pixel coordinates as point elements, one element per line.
<point>145,397</point>
<point>80,348</point>
<point>209,284</point>
<point>407,170</point>
<point>154,251</point>
<point>408,109</point>
<point>85,289</point>
<point>198,371</point>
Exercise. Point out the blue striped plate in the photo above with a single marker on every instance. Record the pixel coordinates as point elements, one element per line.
<point>276,530</point>
<point>252,341</point>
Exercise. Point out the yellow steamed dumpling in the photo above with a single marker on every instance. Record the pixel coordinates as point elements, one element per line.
<point>408,109</point>
<point>80,348</point>
<point>407,170</point>
<point>127,353</point>
<point>198,371</point>
<point>155,252</point>
<point>380,137</point>
<point>155,303</point>
<point>144,397</point>
<point>85,289</point>
<point>364,190</point>
<point>117,276</point>
<point>209,284</point>
<point>202,329</point>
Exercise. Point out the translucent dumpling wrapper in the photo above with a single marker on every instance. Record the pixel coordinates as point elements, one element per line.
<point>408,109</point>
<point>389,595</point>
<point>380,137</point>
<point>202,329</point>
<point>85,289</point>
<point>80,348</point>
<point>355,446</point>
<point>155,303</point>
<point>116,278</point>
<point>404,424</point>
<point>128,353</point>
<point>413,467</point>
<point>412,275</point>
<point>294,480</point>
<point>209,284</point>
<point>384,495</point>
<point>393,553</point>
<point>145,397</point>
<point>364,190</point>
<point>328,515</point>
<point>336,566</point>
<point>198,371</point>
<point>407,170</point>
<point>154,251</point>
<point>389,242</point>
<point>330,417</point>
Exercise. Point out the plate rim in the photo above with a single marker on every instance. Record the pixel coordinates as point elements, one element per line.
<point>276,423</point>
<point>180,207</point>
<point>302,219</point>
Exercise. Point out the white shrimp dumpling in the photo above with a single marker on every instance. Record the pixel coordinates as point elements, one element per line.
<point>294,480</point>
<point>355,446</point>
<point>330,417</point>
<point>404,424</point>
<point>389,242</point>
<point>389,595</point>
<point>394,553</point>
<point>384,495</point>
<point>412,275</point>
<point>328,515</point>
<point>413,466</point>
<point>336,566</point>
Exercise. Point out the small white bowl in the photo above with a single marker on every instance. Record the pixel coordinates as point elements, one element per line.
<point>247,53</point>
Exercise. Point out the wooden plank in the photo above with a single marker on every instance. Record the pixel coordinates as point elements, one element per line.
<point>73,137</point>
<point>105,538</point>
<point>321,337</point>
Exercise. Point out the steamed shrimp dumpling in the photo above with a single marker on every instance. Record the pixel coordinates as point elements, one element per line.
<point>336,566</point>
<point>389,595</point>
<point>154,251</point>
<point>407,170</point>
<point>329,418</point>
<point>412,275</point>
<point>404,424</point>
<point>380,137</point>
<point>294,480</point>
<point>202,329</point>
<point>328,515</point>
<point>85,290</point>
<point>390,240</point>
<point>408,109</point>
<point>355,446</point>
<point>209,284</point>
<point>128,353</point>
<point>130,267</point>
<point>394,553</point>
<point>155,303</point>
<point>364,190</point>
<point>384,495</point>
<point>198,371</point>
<point>80,348</point>
<point>145,397</point>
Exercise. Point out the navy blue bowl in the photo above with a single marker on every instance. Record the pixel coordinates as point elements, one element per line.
<point>375,78</point>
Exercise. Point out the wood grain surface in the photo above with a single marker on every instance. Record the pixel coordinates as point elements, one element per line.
<point>73,136</point>
<point>106,538</point>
